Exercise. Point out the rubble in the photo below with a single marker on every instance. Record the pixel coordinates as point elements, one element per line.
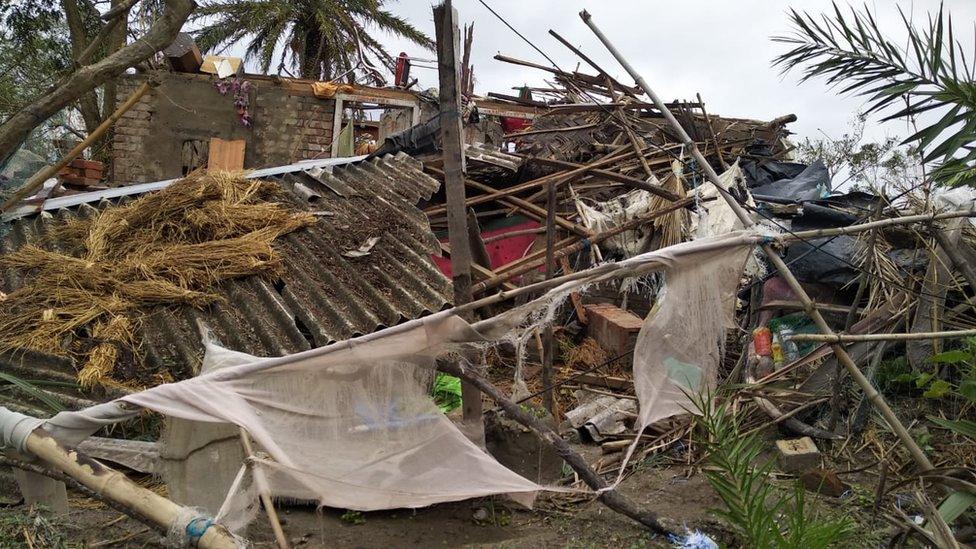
<point>581,179</point>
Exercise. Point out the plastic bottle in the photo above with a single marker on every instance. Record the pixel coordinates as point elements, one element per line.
<point>777,352</point>
<point>762,340</point>
<point>791,351</point>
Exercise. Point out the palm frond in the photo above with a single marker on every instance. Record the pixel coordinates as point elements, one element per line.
<point>320,38</point>
<point>931,73</point>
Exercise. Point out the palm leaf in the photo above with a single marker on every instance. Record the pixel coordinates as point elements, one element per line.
<point>32,391</point>
<point>852,54</point>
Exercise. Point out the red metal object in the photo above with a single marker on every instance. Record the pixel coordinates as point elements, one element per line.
<point>402,71</point>
<point>511,124</point>
<point>502,251</point>
<point>762,341</point>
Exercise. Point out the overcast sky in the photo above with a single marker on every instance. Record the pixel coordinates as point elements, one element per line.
<point>718,48</point>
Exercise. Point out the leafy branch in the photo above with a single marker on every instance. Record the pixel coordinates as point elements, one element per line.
<point>932,73</point>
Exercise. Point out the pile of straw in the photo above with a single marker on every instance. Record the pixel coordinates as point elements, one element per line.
<point>83,298</point>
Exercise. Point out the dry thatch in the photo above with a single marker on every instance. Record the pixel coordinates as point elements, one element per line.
<point>171,247</point>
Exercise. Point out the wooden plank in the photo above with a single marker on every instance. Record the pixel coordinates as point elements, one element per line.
<point>226,154</point>
<point>618,383</point>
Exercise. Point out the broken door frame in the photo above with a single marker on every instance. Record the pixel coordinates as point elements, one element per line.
<point>342,98</point>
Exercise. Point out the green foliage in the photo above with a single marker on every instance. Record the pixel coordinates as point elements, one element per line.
<point>870,165</point>
<point>447,392</point>
<point>323,39</point>
<point>34,53</point>
<point>764,517</point>
<point>31,389</point>
<point>962,426</point>
<point>930,74</point>
<point>959,383</point>
<point>353,517</point>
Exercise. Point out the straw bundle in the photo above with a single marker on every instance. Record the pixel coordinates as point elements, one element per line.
<point>168,248</point>
<point>672,227</point>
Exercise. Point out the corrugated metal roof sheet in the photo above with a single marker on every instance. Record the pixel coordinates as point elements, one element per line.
<point>322,295</point>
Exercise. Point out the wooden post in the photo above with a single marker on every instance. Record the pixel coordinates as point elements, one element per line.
<point>869,391</point>
<point>547,344</point>
<point>448,49</point>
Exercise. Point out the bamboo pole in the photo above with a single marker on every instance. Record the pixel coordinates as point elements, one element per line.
<point>873,395</point>
<point>568,174</point>
<point>852,229</point>
<point>547,344</point>
<point>117,487</point>
<point>853,338</point>
<point>40,177</point>
<point>269,508</point>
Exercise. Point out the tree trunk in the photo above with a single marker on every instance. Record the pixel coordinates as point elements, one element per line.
<point>88,103</point>
<point>85,79</point>
<point>310,64</point>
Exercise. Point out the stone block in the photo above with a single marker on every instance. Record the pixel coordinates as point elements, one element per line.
<point>41,490</point>
<point>200,461</point>
<point>797,455</point>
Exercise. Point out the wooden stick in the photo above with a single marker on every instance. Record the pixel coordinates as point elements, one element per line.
<point>549,130</point>
<point>269,508</point>
<point>873,395</point>
<point>852,338</point>
<point>711,133</point>
<point>538,182</point>
<point>613,81</point>
<point>512,234</point>
<point>530,207</point>
<point>40,177</point>
<point>632,182</point>
<point>117,487</point>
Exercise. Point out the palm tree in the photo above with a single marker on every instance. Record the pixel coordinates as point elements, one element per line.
<point>323,39</point>
<point>930,74</point>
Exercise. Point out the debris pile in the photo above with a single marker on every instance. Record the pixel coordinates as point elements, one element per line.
<point>84,293</point>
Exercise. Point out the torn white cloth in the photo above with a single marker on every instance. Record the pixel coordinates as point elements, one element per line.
<point>603,216</point>
<point>350,425</point>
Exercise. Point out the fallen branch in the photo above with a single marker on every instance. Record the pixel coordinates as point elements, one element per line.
<point>607,495</point>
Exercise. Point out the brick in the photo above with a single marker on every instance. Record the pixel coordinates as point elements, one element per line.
<point>613,328</point>
<point>797,455</point>
<point>78,180</point>
<point>824,481</point>
<point>87,164</point>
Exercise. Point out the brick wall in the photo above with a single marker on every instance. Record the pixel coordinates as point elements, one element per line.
<point>150,141</point>
<point>292,126</point>
<point>130,136</point>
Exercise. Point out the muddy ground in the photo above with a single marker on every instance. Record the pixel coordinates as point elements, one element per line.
<point>670,489</point>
